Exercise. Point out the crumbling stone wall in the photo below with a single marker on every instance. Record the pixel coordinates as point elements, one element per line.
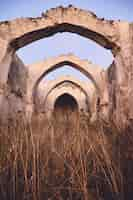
<point>114,35</point>
<point>17,77</point>
<point>113,87</point>
<point>13,100</point>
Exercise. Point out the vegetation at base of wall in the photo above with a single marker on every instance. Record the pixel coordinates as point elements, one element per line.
<point>65,157</point>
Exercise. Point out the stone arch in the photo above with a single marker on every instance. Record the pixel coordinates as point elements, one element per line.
<point>65,110</point>
<point>38,70</point>
<point>87,87</point>
<point>18,33</point>
<point>66,100</point>
<point>114,35</point>
<point>60,90</point>
<point>23,31</point>
<point>64,84</point>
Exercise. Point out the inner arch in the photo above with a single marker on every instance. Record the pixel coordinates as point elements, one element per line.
<point>65,113</point>
<point>35,35</point>
<point>79,45</point>
<point>83,66</point>
<point>72,82</point>
<point>66,102</point>
<point>59,65</point>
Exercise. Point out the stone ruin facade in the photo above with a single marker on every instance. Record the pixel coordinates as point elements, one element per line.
<point>112,93</point>
<point>106,99</point>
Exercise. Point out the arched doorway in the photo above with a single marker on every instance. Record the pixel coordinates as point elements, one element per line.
<point>66,109</point>
<point>66,102</point>
<point>45,88</point>
<point>39,70</point>
<point>54,21</point>
<point>64,121</point>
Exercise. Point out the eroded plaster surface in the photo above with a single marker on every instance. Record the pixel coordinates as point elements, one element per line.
<point>114,35</point>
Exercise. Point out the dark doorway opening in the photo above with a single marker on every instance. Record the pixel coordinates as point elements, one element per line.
<point>66,102</point>
<point>65,117</point>
<point>66,109</point>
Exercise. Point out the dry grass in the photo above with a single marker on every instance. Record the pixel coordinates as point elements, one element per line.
<point>62,158</point>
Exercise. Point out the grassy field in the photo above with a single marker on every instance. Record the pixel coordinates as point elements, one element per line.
<point>65,157</point>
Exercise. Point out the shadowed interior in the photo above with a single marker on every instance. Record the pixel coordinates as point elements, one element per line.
<point>66,102</point>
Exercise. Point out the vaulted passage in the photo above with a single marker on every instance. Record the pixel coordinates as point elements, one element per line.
<point>66,110</point>
<point>77,129</point>
<point>65,113</point>
<point>66,102</point>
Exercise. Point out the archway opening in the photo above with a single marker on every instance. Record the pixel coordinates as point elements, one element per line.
<point>66,103</point>
<point>37,30</point>
<point>83,47</point>
<point>66,70</point>
<point>90,73</point>
<point>65,110</point>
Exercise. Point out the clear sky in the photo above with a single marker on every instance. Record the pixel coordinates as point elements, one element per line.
<point>63,43</point>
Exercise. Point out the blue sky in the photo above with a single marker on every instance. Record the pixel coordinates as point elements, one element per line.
<point>66,42</point>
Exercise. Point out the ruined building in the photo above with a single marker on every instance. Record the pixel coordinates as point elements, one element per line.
<point>107,98</point>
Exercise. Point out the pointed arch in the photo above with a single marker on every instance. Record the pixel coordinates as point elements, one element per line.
<point>87,87</point>
<point>20,32</point>
<point>23,31</point>
<point>60,90</point>
<point>39,70</point>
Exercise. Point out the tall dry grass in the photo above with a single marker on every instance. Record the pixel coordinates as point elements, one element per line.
<point>65,157</point>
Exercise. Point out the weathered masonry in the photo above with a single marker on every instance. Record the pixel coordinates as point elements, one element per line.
<point>117,36</point>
